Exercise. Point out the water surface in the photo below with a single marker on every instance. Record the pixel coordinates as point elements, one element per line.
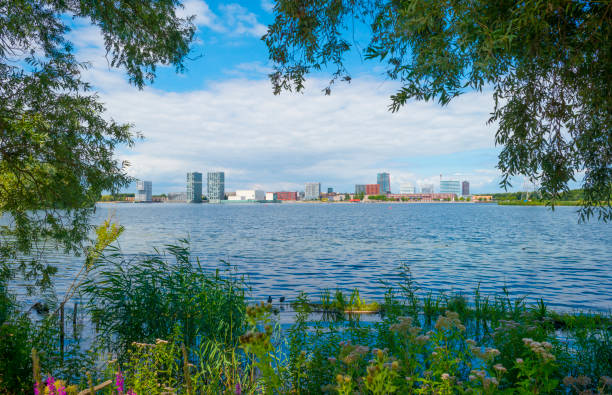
<point>287,248</point>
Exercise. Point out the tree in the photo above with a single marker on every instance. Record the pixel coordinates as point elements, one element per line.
<point>546,62</point>
<point>56,146</point>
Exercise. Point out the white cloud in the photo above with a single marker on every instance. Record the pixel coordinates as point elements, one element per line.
<point>240,21</point>
<point>267,5</point>
<point>202,13</point>
<point>274,141</point>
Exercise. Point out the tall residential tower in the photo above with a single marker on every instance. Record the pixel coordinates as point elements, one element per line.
<point>312,191</point>
<point>216,186</point>
<point>194,187</point>
<point>144,191</point>
<point>384,181</point>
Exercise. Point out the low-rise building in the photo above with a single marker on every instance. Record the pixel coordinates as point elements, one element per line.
<point>177,197</point>
<point>248,195</point>
<point>271,196</point>
<point>427,188</point>
<point>407,188</point>
<point>360,189</point>
<point>287,196</point>
<point>422,197</point>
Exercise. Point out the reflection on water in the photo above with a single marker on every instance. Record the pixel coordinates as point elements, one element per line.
<point>287,248</point>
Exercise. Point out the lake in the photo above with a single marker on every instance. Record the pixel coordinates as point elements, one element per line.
<point>288,248</point>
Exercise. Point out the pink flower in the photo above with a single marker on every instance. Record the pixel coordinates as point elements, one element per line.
<point>238,389</point>
<point>51,385</point>
<point>130,392</point>
<point>36,390</point>
<point>119,383</point>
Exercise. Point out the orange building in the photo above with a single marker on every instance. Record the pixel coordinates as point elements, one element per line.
<point>372,189</point>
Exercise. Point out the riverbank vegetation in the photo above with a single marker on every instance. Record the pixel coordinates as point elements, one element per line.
<point>160,323</point>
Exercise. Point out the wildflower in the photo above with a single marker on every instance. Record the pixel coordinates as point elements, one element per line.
<point>471,342</point>
<point>519,361</point>
<point>500,368</point>
<point>347,379</point>
<point>472,377</point>
<point>331,360</point>
<point>445,376</point>
<point>160,341</point>
<point>394,365</point>
<point>238,390</point>
<point>339,379</point>
<point>119,382</point>
<point>422,339</point>
<point>606,381</point>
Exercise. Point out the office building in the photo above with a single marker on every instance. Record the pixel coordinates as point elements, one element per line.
<point>312,191</point>
<point>427,188</point>
<point>407,189</point>
<point>216,186</point>
<point>249,195</point>
<point>287,196</point>
<point>384,180</point>
<point>465,188</point>
<point>194,187</point>
<point>144,191</point>
<point>330,190</point>
<point>450,186</point>
<point>372,189</point>
<point>360,189</point>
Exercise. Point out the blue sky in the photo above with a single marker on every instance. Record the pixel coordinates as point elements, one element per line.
<point>221,115</point>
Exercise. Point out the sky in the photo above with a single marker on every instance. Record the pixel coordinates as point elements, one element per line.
<point>221,115</point>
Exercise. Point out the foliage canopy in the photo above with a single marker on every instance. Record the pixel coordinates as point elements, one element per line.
<point>548,63</point>
<point>56,146</point>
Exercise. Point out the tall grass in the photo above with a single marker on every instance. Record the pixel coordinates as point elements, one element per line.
<point>146,297</point>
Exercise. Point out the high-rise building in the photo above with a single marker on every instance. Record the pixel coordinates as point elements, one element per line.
<point>216,186</point>
<point>359,189</point>
<point>384,181</point>
<point>372,189</point>
<point>312,191</point>
<point>144,191</point>
<point>450,186</point>
<point>427,188</point>
<point>194,187</point>
<point>465,188</point>
<point>407,189</point>
<point>330,190</point>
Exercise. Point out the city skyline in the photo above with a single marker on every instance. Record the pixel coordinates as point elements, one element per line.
<point>222,114</point>
<point>215,188</point>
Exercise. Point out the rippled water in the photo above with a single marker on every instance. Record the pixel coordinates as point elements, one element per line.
<point>287,248</point>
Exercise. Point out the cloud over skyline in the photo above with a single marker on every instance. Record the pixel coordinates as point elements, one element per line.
<point>222,115</point>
